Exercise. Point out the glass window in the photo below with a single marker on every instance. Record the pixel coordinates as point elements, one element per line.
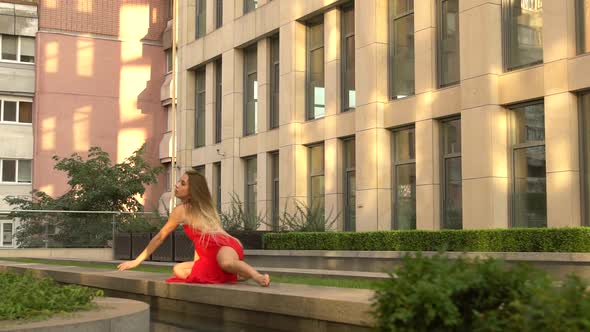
<point>404,170</point>
<point>201,25</point>
<point>8,170</point>
<point>27,49</point>
<point>529,184</point>
<point>585,148</point>
<point>251,95</point>
<point>448,42</point>
<point>25,112</point>
<point>452,192</point>
<point>7,234</point>
<point>200,108</point>
<point>170,9</point>
<point>316,172</point>
<point>523,33</point>
<point>274,82</point>
<point>583,25</point>
<point>251,183</point>
<point>168,168</point>
<point>348,60</point>
<point>217,185</point>
<point>349,185</point>
<point>200,169</point>
<point>250,5</point>
<point>9,47</point>
<point>401,26</point>
<point>218,13</point>
<point>24,171</point>
<point>316,103</point>
<point>274,157</point>
<point>9,111</point>
<point>218,101</point>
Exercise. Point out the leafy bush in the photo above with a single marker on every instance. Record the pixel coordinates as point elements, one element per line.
<point>27,297</point>
<point>440,294</point>
<point>306,219</point>
<point>236,219</point>
<point>494,240</point>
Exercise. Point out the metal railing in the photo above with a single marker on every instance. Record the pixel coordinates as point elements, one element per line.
<point>75,229</point>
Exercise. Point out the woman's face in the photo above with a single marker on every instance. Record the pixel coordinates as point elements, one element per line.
<point>181,189</point>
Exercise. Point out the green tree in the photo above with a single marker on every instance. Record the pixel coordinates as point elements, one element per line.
<point>96,184</point>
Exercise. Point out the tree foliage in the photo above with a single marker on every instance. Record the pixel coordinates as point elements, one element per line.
<point>96,184</point>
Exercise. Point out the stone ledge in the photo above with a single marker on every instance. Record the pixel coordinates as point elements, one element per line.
<point>337,305</point>
<point>112,315</point>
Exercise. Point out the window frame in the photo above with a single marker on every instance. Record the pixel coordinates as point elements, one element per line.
<point>439,42</point>
<point>217,178</point>
<point>200,13</point>
<point>12,242</point>
<point>18,101</point>
<point>443,170</point>
<point>512,147</point>
<point>246,9</point>
<point>348,170</point>
<point>218,100</point>
<point>200,115</point>
<point>345,100</point>
<point>18,50</point>
<point>247,184</point>
<point>310,177</point>
<point>506,10</point>
<point>274,79</point>
<point>275,186</point>
<point>16,171</point>
<point>253,49</point>
<point>218,14</point>
<point>309,107</point>
<point>390,50</point>
<point>394,164</point>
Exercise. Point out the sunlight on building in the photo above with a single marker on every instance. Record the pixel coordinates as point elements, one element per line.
<point>134,21</point>
<point>48,134</point>
<point>84,6</point>
<point>85,58</point>
<point>129,140</point>
<point>133,82</point>
<point>81,128</point>
<point>51,57</point>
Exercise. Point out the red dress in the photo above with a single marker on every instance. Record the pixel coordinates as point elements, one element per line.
<point>206,270</point>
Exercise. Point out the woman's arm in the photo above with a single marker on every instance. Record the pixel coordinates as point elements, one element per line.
<point>173,221</point>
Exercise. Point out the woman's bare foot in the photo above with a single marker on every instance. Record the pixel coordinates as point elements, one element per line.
<point>263,280</point>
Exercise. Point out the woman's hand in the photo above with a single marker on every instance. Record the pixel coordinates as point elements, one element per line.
<point>128,265</point>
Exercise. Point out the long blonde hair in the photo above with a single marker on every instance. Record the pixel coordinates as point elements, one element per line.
<point>200,211</point>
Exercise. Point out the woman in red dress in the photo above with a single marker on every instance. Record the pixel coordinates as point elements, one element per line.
<point>219,257</point>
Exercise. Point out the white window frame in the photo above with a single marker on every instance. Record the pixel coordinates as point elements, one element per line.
<point>2,223</point>
<point>18,101</point>
<point>15,172</point>
<point>18,51</point>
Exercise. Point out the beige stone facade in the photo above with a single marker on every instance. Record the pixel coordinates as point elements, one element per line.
<point>481,100</point>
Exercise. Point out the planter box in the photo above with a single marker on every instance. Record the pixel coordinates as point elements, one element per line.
<point>250,239</point>
<point>165,252</point>
<point>138,242</point>
<point>184,250</point>
<point>122,245</point>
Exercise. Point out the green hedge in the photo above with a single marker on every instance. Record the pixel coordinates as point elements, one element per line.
<point>490,240</point>
<point>441,294</point>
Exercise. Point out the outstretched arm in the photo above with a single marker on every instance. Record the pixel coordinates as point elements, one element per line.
<point>173,221</point>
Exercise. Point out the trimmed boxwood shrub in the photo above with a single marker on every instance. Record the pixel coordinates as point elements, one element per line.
<point>440,294</point>
<point>490,240</point>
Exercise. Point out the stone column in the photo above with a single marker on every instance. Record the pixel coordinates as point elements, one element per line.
<point>561,117</point>
<point>483,121</point>
<point>373,172</point>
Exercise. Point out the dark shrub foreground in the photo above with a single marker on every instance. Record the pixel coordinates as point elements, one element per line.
<point>28,297</point>
<point>491,240</point>
<point>440,294</point>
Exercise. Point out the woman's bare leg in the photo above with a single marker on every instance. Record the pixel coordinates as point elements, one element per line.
<point>229,261</point>
<point>183,270</point>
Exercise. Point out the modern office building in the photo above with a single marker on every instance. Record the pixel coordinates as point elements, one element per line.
<point>402,114</point>
<point>18,27</point>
